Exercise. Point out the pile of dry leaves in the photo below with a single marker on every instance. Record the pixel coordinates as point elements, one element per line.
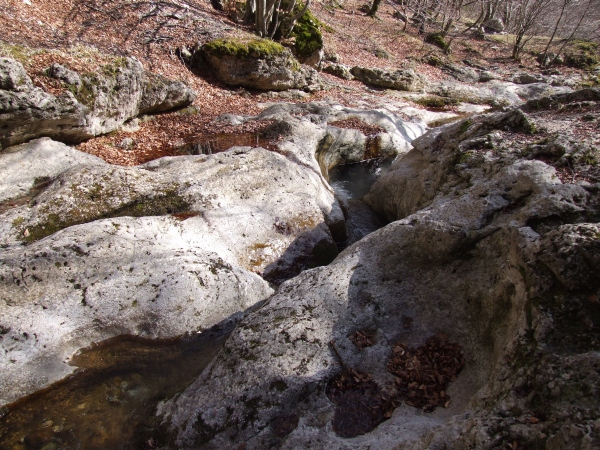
<point>357,124</point>
<point>423,374</point>
<point>422,378</point>
<point>360,403</point>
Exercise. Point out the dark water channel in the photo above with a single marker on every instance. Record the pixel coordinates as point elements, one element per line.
<point>110,401</point>
<point>352,182</point>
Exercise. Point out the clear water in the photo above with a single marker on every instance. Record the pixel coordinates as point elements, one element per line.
<point>216,143</point>
<point>353,181</point>
<point>110,401</point>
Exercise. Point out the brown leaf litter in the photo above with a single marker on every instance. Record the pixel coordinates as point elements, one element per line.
<point>422,378</point>
<point>423,374</point>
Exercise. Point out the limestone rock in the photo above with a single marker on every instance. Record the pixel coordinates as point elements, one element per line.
<point>60,72</point>
<point>126,275</point>
<point>527,78</point>
<point>553,101</point>
<point>494,25</point>
<point>486,75</point>
<point>494,92</point>
<point>461,73</point>
<point>94,104</point>
<point>339,70</point>
<point>13,76</point>
<point>161,94</point>
<point>169,247</point>
<point>206,264</point>
<point>177,243</point>
<point>39,160</point>
<point>315,59</point>
<point>403,80</point>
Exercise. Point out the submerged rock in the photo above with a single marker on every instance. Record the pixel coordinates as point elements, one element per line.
<point>92,104</point>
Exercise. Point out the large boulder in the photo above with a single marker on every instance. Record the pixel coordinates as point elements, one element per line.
<point>402,80</point>
<point>494,25</point>
<point>495,255</point>
<point>36,162</point>
<point>159,250</point>
<point>92,103</point>
<point>462,73</point>
<point>494,92</point>
<point>258,64</point>
<point>339,70</point>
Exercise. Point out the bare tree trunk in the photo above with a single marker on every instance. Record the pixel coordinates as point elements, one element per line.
<point>373,11</point>
<point>565,4</point>
<point>575,29</point>
<point>250,10</point>
<point>297,16</point>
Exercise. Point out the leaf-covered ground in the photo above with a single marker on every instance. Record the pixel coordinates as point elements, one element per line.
<point>78,33</point>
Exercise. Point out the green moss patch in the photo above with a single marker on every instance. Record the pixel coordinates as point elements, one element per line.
<point>168,202</point>
<point>307,33</point>
<point>584,55</point>
<point>19,53</point>
<point>253,48</point>
<point>438,40</point>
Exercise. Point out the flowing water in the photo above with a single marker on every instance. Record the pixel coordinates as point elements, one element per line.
<point>110,401</point>
<point>352,182</point>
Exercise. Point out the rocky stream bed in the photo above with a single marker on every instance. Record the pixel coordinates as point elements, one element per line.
<point>455,305</point>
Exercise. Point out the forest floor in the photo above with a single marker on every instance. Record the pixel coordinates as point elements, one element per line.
<point>68,31</point>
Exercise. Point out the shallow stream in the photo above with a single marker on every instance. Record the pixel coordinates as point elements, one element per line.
<point>110,401</point>
<point>352,182</point>
<point>216,143</point>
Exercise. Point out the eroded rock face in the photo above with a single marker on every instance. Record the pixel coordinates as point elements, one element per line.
<point>495,92</point>
<point>40,160</point>
<point>339,70</point>
<point>92,104</point>
<point>493,251</point>
<point>200,265</point>
<point>137,276</point>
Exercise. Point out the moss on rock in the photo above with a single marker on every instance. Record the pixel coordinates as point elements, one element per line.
<point>243,49</point>
<point>308,35</point>
<point>97,204</point>
<point>583,56</point>
<point>438,40</point>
